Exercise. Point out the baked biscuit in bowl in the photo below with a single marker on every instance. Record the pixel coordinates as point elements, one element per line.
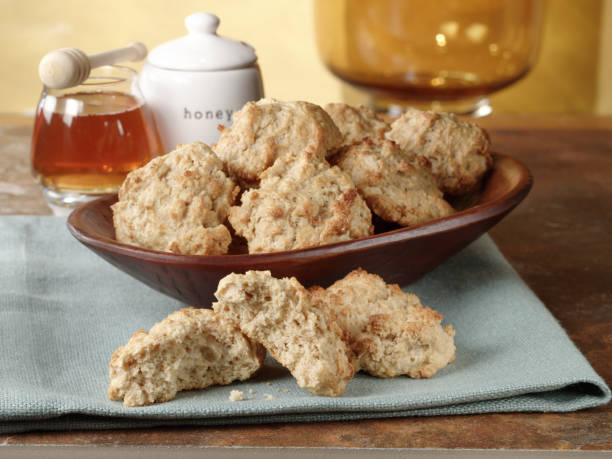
<point>356,123</point>
<point>394,189</point>
<point>398,255</point>
<point>301,202</point>
<point>265,130</point>
<point>177,202</point>
<point>456,151</point>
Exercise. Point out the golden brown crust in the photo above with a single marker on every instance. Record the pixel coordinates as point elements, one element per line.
<point>190,349</point>
<point>177,203</point>
<point>390,331</point>
<point>457,152</point>
<point>395,189</point>
<point>301,202</point>
<point>265,130</point>
<point>356,123</point>
<point>295,326</point>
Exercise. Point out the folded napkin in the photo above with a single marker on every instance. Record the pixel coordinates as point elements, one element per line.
<point>63,311</point>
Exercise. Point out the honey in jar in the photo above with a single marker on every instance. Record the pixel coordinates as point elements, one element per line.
<point>86,142</point>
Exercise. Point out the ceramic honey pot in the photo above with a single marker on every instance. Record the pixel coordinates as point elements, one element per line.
<point>196,82</point>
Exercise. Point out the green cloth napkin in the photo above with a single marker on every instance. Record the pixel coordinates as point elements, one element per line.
<point>63,311</point>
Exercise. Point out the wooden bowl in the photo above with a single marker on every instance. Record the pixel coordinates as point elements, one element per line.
<point>399,255</point>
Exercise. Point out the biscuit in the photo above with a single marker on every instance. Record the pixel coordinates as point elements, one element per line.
<point>294,326</point>
<point>456,152</point>
<point>356,123</point>
<point>301,202</point>
<point>190,349</point>
<point>390,331</point>
<point>264,130</point>
<point>393,188</point>
<point>177,203</point>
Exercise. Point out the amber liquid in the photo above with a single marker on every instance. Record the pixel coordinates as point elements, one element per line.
<point>429,50</point>
<point>88,142</point>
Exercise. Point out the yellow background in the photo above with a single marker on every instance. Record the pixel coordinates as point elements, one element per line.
<point>573,75</point>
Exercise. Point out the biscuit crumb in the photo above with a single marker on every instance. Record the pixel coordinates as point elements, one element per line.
<point>268,383</point>
<point>277,389</point>
<point>251,391</point>
<point>236,395</point>
<point>286,390</point>
<point>269,396</point>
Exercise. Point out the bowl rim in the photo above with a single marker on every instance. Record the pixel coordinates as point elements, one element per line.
<point>457,220</point>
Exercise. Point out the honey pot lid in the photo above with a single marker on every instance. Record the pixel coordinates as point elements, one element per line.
<point>202,49</point>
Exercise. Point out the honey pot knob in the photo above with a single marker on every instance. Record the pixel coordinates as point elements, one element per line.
<point>68,67</point>
<point>202,23</point>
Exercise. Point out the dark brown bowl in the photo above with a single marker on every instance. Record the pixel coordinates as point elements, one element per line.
<point>399,255</point>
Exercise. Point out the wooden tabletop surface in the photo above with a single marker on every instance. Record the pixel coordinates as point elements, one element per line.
<point>559,240</point>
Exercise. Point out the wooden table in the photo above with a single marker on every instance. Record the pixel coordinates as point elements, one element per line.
<point>559,240</point>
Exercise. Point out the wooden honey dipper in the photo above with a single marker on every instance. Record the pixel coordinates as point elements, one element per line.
<point>67,67</point>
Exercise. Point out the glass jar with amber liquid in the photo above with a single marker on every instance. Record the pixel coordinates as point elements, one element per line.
<point>446,55</point>
<point>87,138</point>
